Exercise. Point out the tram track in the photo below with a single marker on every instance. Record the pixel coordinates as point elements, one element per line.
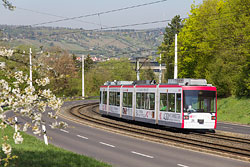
<point>229,146</point>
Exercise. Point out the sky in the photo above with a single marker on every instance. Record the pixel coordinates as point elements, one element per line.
<point>31,12</point>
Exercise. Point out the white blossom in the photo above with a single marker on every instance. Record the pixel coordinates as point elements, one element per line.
<point>61,125</point>
<point>36,130</point>
<point>6,148</point>
<point>43,82</point>
<point>16,91</point>
<point>54,125</point>
<point>2,125</point>
<point>47,93</point>
<point>26,126</point>
<point>24,111</point>
<point>6,52</point>
<point>50,114</point>
<point>2,116</point>
<point>37,117</point>
<point>29,90</point>
<point>55,103</point>
<point>17,138</point>
<point>42,105</point>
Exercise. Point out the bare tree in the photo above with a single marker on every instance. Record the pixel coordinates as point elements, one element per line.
<point>63,67</point>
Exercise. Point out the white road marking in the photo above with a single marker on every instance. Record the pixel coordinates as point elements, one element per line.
<point>182,165</point>
<point>144,155</point>
<point>106,144</point>
<point>82,137</point>
<point>64,131</point>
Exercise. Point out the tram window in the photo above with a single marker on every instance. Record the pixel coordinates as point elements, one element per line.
<point>151,101</point>
<point>199,101</point>
<point>144,101</point>
<point>111,98</point>
<point>130,97</point>
<point>138,100</point>
<point>163,101</point>
<point>178,102</point>
<point>104,97</point>
<point>100,97</point>
<point>212,100</point>
<point>125,99</point>
<point>171,102</point>
<point>117,99</point>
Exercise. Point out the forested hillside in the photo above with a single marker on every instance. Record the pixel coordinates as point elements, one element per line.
<point>113,43</point>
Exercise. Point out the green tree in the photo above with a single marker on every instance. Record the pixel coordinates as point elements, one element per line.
<point>120,70</point>
<point>214,44</point>
<point>243,82</point>
<point>167,48</point>
<point>147,74</point>
<point>88,63</point>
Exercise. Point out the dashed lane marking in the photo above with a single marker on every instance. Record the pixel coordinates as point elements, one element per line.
<point>64,131</point>
<point>144,155</point>
<point>107,144</point>
<point>82,137</point>
<point>182,165</point>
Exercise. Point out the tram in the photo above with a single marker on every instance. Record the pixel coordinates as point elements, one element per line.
<point>181,103</point>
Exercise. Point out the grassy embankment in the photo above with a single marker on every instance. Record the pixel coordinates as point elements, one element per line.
<point>34,153</point>
<point>234,110</point>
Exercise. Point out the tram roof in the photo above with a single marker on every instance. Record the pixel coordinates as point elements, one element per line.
<point>148,83</point>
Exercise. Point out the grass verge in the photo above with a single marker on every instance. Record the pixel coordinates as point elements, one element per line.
<point>34,153</point>
<point>234,110</point>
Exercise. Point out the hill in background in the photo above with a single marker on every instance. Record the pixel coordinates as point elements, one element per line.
<point>105,44</point>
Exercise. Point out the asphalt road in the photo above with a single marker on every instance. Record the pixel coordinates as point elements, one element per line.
<point>124,151</point>
<point>234,128</point>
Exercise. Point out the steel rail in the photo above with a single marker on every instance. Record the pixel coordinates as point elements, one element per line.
<point>210,135</point>
<point>166,137</point>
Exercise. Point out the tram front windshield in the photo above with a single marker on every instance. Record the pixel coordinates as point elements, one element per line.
<point>199,101</point>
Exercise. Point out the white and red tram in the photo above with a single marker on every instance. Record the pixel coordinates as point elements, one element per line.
<point>182,103</point>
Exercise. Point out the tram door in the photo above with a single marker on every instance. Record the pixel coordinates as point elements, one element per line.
<point>103,101</point>
<point>170,107</point>
<point>127,103</point>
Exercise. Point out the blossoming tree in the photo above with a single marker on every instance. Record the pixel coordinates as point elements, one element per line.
<point>25,100</point>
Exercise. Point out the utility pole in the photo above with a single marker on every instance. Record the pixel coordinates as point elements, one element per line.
<point>30,69</point>
<point>83,76</point>
<point>160,71</point>
<point>175,58</point>
<point>137,69</point>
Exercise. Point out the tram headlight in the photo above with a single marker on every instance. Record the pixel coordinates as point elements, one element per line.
<point>213,117</point>
<point>186,117</point>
